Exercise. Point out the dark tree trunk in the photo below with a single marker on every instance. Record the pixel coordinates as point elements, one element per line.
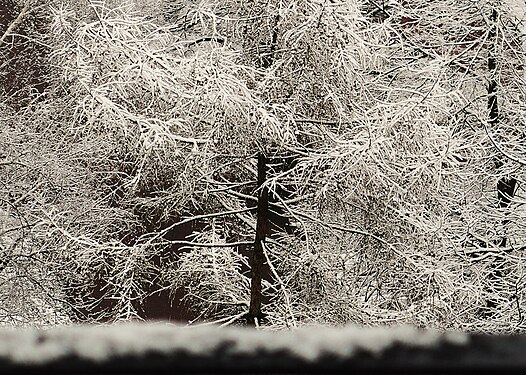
<point>505,185</point>
<point>505,192</point>
<point>268,56</point>
<point>258,257</point>
<point>493,107</point>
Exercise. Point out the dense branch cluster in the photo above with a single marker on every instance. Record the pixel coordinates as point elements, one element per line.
<point>134,173</point>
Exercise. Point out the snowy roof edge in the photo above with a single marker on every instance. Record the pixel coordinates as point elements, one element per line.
<point>141,347</point>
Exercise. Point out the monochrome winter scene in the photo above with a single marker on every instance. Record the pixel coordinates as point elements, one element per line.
<point>264,165</point>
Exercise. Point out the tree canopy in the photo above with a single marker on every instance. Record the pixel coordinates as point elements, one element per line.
<point>393,134</point>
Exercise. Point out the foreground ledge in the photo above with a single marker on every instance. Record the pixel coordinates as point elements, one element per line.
<point>162,348</point>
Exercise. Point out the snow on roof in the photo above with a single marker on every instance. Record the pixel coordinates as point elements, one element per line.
<point>97,343</point>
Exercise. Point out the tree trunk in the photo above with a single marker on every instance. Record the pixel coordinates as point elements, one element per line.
<point>267,59</point>
<point>258,257</point>
<point>505,185</point>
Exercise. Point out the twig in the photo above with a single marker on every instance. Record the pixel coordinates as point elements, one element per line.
<point>355,231</point>
<point>18,20</point>
<point>197,217</point>
<point>281,284</point>
<point>234,318</point>
<point>207,39</point>
<point>499,148</point>
<point>197,244</point>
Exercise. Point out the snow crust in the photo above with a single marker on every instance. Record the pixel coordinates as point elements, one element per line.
<point>97,343</point>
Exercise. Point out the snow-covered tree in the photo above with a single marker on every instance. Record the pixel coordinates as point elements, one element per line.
<point>392,136</point>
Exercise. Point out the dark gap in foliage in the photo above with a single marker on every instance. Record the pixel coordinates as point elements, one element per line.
<point>23,57</point>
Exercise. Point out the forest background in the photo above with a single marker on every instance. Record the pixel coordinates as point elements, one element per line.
<point>392,139</point>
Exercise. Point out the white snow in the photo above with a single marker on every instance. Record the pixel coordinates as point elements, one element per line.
<point>518,9</point>
<point>99,343</point>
